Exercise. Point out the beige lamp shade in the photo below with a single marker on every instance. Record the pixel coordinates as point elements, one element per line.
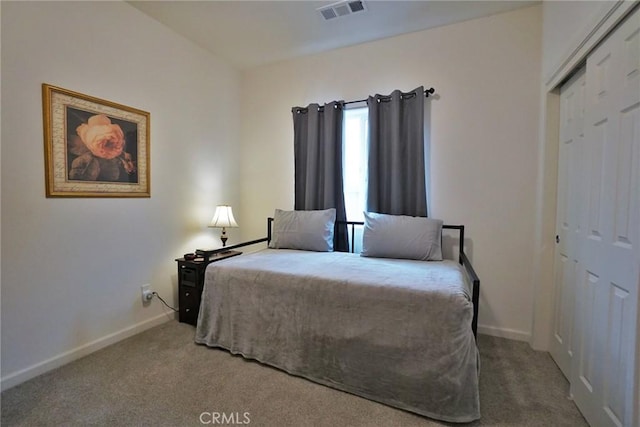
<point>223,217</point>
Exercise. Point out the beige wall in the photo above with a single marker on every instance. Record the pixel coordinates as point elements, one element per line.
<point>72,268</point>
<point>565,25</point>
<point>484,132</point>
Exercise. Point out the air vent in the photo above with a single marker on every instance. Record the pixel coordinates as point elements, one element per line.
<point>342,8</point>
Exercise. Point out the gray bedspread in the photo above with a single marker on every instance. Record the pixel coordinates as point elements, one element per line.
<point>393,331</point>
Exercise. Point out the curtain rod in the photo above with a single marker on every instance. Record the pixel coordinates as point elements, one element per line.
<point>427,92</point>
<point>339,104</point>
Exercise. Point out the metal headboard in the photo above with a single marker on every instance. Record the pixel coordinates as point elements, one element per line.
<point>352,225</point>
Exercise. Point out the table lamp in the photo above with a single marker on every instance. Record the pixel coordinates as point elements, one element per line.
<point>223,218</point>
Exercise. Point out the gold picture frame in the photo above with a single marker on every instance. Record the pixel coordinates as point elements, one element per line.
<point>93,147</point>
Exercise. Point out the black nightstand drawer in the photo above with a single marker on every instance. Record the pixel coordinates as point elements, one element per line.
<point>189,301</point>
<point>188,276</point>
<point>189,315</point>
<point>188,295</point>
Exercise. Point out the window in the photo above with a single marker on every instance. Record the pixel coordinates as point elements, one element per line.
<point>355,163</point>
<point>355,141</point>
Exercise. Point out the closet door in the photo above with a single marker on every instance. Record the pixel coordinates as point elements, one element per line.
<point>603,370</point>
<point>570,190</point>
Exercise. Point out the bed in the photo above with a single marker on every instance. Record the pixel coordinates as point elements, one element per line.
<point>397,331</point>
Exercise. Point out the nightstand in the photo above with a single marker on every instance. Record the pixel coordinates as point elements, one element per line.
<point>191,282</point>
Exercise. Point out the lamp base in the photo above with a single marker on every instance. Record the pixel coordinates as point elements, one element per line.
<point>223,237</point>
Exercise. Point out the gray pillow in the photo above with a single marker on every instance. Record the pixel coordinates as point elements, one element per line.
<point>305,230</point>
<point>399,236</point>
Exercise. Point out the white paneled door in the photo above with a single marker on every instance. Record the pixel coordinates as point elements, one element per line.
<point>597,262</point>
<point>570,171</point>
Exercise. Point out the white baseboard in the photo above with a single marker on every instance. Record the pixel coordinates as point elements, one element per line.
<point>40,368</point>
<point>511,334</point>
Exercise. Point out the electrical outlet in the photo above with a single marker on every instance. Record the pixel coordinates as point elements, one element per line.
<point>147,294</point>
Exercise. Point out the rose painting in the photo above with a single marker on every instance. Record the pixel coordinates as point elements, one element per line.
<point>100,148</point>
<point>94,147</point>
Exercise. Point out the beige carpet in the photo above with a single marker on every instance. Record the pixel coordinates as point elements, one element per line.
<point>161,378</point>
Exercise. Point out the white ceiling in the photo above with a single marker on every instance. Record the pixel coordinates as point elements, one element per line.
<point>251,33</point>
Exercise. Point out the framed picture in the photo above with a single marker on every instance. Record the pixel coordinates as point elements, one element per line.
<point>93,147</point>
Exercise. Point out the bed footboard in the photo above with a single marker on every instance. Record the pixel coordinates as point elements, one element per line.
<point>475,297</point>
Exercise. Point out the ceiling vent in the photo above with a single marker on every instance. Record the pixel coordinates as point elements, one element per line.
<point>342,8</point>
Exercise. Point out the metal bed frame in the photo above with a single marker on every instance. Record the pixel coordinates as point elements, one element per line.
<point>462,259</point>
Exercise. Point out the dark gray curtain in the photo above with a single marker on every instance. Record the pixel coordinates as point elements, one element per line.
<point>317,140</point>
<point>396,154</point>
